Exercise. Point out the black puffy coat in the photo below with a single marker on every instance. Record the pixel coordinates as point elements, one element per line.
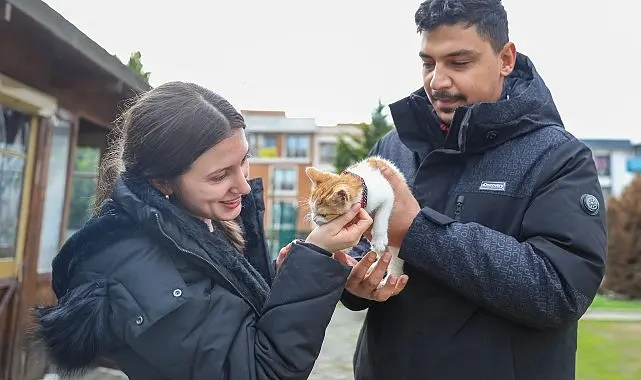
<point>151,289</point>
<point>507,252</point>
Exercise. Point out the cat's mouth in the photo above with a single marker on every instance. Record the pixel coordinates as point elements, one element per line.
<point>319,220</point>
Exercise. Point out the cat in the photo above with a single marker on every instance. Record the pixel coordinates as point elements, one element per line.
<point>333,194</point>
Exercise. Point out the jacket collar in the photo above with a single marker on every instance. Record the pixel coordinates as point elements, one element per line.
<point>481,126</point>
<point>138,207</point>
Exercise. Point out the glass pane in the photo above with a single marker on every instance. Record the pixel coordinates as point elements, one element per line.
<point>87,159</point>
<point>55,194</point>
<point>11,178</point>
<point>297,146</point>
<point>14,133</point>
<point>14,130</point>
<point>327,152</point>
<point>82,191</point>
<point>602,163</point>
<point>83,187</point>
<point>284,179</point>
<point>267,146</point>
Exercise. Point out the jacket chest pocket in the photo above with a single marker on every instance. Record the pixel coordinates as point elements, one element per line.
<point>499,212</point>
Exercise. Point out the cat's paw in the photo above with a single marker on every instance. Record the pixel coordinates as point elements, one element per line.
<point>379,244</point>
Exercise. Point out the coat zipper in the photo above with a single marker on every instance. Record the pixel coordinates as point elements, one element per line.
<point>212,266</point>
<point>459,207</point>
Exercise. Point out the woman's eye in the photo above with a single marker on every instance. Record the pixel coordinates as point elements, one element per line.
<point>219,178</point>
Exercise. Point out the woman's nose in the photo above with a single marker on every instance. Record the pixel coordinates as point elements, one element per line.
<point>242,185</point>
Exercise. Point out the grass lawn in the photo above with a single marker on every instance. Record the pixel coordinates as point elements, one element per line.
<point>601,302</point>
<point>609,351</point>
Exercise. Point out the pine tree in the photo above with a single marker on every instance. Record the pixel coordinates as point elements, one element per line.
<point>351,149</point>
<point>135,64</point>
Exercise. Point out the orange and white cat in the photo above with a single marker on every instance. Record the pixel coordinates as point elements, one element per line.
<point>333,194</point>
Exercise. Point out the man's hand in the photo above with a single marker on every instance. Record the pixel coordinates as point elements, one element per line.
<point>365,283</point>
<point>405,208</point>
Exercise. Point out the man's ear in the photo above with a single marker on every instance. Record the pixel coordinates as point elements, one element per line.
<point>508,59</point>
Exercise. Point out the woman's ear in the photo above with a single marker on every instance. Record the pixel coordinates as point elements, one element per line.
<point>163,186</point>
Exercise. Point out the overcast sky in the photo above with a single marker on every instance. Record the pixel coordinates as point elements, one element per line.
<point>332,60</point>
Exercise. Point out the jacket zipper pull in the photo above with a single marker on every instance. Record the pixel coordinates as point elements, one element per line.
<point>459,207</point>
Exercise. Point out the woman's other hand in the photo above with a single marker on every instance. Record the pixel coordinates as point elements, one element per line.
<point>282,254</point>
<point>342,232</point>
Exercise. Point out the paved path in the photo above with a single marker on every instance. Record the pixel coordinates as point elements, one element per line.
<point>613,315</point>
<point>335,360</point>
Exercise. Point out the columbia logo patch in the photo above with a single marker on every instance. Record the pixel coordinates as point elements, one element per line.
<point>492,186</point>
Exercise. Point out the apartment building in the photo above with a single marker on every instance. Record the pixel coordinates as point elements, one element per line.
<point>615,160</point>
<point>326,141</point>
<point>281,148</point>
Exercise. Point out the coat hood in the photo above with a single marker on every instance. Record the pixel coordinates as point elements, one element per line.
<point>526,105</point>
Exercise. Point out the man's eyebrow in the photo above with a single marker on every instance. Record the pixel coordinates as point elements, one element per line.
<point>457,53</point>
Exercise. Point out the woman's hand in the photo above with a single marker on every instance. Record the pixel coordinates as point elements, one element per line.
<point>282,254</point>
<point>342,232</point>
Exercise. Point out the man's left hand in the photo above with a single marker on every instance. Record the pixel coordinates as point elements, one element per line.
<point>405,208</point>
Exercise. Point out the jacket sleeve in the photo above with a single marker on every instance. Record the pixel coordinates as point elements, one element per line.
<point>545,279</point>
<point>215,335</point>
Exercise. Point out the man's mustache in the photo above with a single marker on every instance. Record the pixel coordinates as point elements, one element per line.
<point>446,95</point>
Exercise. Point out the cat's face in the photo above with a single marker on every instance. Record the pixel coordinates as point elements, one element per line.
<point>332,194</point>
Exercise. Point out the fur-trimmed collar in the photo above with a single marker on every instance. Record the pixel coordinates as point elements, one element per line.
<point>73,330</point>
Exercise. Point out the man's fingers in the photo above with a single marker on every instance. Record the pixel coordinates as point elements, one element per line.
<point>394,179</point>
<point>376,276</point>
<point>391,288</point>
<point>359,271</point>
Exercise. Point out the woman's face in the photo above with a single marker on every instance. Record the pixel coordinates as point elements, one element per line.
<point>213,186</point>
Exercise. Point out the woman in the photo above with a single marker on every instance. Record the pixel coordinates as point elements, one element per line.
<point>170,279</point>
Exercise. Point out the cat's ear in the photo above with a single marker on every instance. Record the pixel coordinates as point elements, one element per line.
<point>340,196</point>
<point>315,175</point>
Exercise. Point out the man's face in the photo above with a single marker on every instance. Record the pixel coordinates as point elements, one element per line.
<point>460,67</point>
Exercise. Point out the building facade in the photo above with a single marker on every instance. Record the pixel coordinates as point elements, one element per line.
<point>614,159</point>
<point>281,148</point>
<point>59,93</point>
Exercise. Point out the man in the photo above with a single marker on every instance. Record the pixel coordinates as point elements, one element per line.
<point>504,236</point>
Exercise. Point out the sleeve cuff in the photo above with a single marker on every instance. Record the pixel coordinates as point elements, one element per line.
<point>436,217</point>
<point>425,226</point>
<point>312,247</point>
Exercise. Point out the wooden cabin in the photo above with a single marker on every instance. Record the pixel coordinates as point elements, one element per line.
<point>59,94</point>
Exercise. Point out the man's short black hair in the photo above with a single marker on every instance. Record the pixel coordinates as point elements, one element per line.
<point>488,16</point>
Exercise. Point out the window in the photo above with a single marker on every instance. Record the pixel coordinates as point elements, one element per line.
<point>283,226</point>
<point>83,187</point>
<point>283,216</point>
<point>284,180</point>
<point>297,146</point>
<point>262,145</point>
<point>602,163</point>
<point>327,152</point>
<point>14,142</point>
<point>55,194</point>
